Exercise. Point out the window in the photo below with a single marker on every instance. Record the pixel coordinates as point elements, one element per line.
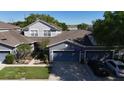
<point>34,33</point>
<point>47,33</point>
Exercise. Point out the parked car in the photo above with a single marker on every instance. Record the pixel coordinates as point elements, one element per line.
<point>99,68</point>
<point>116,66</point>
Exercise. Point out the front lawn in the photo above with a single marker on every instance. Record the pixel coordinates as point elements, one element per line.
<point>24,72</point>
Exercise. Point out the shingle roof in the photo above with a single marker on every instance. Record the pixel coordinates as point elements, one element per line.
<point>65,35</point>
<point>71,35</point>
<point>13,38</point>
<point>39,39</point>
<point>8,26</point>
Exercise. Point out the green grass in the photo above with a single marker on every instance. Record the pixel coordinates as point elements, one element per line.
<point>24,72</point>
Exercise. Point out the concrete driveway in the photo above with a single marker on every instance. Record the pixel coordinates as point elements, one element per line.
<point>71,71</point>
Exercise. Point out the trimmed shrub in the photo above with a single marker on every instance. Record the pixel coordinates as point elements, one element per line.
<point>10,58</point>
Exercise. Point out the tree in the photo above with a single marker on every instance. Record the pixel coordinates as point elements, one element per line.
<point>110,30</point>
<point>10,58</point>
<point>33,17</point>
<point>42,53</point>
<point>44,43</point>
<point>20,23</point>
<point>63,26</point>
<point>23,50</point>
<point>82,26</point>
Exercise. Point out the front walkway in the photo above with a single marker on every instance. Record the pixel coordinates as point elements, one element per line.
<point>32,62</point>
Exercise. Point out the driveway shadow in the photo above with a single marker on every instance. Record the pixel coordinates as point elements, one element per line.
<point>72,71</point>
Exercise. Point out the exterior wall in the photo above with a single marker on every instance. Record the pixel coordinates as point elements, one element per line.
<point>72,28</point>
<point>55,33</point>
<point>32,47</point>
<point>5,48</point>
<point>27,33</point>
<point>40,27</point>
<point>3,30</point>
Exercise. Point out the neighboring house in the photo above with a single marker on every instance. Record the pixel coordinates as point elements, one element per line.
<point>7,27</point>
<point>9,40</point>
<point>90,28</point>
<point>72,27</point>
<point>75,46</point>
<point>40,28</point>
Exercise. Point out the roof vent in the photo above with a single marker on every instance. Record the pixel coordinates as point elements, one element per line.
<point>3,37</point>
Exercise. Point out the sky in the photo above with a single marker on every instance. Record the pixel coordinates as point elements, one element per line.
<point>69,17</point>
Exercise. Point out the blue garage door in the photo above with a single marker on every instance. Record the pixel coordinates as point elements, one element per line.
<point>66,56</point>
<point>94,55</point>
<point>2,56</point>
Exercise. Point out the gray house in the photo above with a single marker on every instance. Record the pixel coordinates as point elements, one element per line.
<point>76,46</point>
<point>9,40</point>
<point>40,28</point>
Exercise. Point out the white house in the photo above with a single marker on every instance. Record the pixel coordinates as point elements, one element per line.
<point>72,27</point>
<point>40,28</point>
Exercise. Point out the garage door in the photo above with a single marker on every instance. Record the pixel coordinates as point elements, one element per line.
<point>66,56</point>
<point>94,55</point>
<point>2,56</point>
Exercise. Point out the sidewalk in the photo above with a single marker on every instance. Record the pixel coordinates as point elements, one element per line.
<point>52,77</point>
<point>2,66</point>
<point>26,65</point>
<point>21,65</point>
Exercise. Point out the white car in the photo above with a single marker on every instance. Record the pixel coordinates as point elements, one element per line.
<point>116,66</point>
